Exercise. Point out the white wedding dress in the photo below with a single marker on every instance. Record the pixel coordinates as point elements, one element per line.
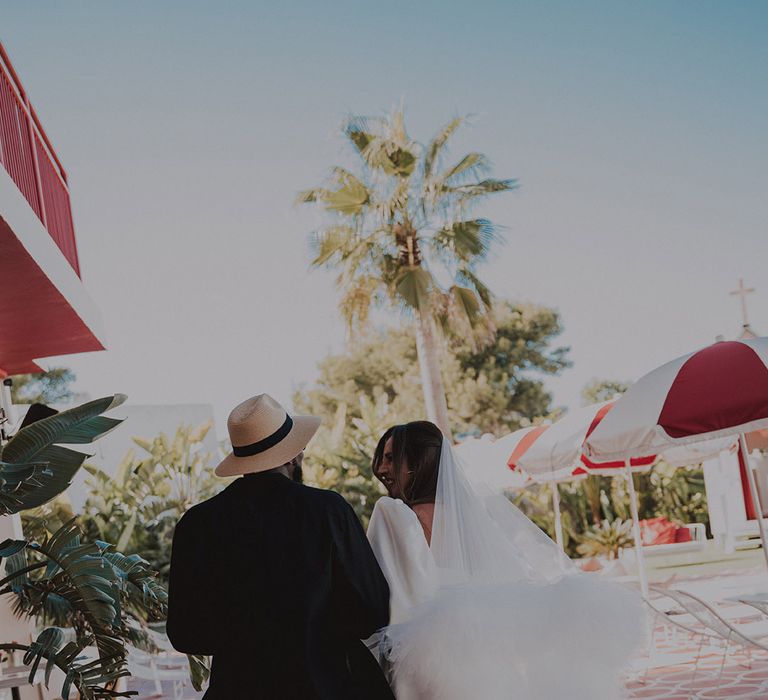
<point>493,609</point>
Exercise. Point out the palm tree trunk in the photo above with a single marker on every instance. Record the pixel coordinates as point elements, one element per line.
<point>431,378</point>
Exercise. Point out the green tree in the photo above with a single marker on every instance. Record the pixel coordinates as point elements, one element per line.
<point>405,216</point>
<point>53,386</point>
<point>498,387</point>
<point>375,384</point>
<point>599,390</point>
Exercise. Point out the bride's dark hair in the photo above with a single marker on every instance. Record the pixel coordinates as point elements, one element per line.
<point>416,450</point>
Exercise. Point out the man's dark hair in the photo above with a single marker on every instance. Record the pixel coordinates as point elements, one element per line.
<point>416,450</point>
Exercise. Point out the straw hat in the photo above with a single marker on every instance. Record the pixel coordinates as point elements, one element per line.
<point>264,436</point>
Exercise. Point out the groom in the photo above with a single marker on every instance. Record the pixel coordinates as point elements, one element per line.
<point>274,579</point>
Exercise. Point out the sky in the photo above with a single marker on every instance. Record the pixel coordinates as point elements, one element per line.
<point>636,131</point>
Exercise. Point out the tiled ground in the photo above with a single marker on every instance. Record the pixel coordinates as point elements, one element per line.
<point>678,681</point>
<point>680,666</point>
<point>674,673</point>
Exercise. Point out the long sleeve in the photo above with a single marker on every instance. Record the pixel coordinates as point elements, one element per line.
<point>401,549</point>
<point>191,606</point>
<point>358,582</point>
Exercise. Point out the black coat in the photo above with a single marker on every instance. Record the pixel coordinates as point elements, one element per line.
<point>278,583</point>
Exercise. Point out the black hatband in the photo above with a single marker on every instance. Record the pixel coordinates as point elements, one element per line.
<point>265,444</point>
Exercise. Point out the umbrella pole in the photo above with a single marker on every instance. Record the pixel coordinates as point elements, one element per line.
<point>636,530</point>
<point>755,495</point>
<point>558,519</point>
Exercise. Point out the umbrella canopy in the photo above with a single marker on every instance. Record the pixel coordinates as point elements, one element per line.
<point>719,391</point>
<point>696,453</point>
<point>556,454</point>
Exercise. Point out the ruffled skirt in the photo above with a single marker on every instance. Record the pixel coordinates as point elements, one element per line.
<point>567,640</point>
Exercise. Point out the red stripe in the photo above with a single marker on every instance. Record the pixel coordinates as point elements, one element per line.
<point>599,417</point>
<point>634,462</point>
<point>524,445</point>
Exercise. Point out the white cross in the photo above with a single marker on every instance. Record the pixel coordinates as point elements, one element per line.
<point>742,292</point>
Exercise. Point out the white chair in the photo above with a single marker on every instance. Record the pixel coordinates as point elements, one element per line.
<point>713,625</point>
<point>158,668</point>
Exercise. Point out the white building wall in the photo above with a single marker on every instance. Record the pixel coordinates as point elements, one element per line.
<point>725,498</point>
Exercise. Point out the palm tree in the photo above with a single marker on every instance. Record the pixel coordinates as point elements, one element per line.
<point>399,227</point>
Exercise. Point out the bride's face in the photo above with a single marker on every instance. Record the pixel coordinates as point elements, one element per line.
<point>388,474</point>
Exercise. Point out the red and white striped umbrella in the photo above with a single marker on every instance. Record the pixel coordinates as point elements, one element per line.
<point>713,393</point>
<point>556,452</point>
<point>716,392</point>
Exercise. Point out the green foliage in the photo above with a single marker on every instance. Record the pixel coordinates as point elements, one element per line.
<point>53,386</point>
<point>34,468</point>
<point>606,539</point>
<point>58,578</point>
<point>340,457</point>
<point>139,506</point>
<point>498,387</point>
<point>41,522</point>
<point>599,390</point>
<point>676,494</point>
<point>375,384</point>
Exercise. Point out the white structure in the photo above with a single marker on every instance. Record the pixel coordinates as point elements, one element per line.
<point>725,497</point>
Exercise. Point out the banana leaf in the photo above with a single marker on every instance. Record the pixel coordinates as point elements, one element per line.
<point>34,465</point>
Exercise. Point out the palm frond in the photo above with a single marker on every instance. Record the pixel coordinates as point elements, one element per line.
<point>469,240</point>
<point>360,132</point>
<point>467,304</point>
<point>143,591</point>
<point>17,567</point>
<point>141,638</point>
<point>332,243</point>
<point>482,188</point>
<point>470,164</point>
<point>468,277</point>
<point>390,157</point>
<point>383,143</point>
<point>414,286</point>
<point>359,294</point>
<point>91,679</point>
<point>437,144</point>
<point>79,573</point>
<point>347,193</point>
<point>396,126</point>
<point>41,443</point>
<point>18,483</point>
<point>10,547</point>
<point>350,195</point>
<point>310,196</point>
<point>48,642</point>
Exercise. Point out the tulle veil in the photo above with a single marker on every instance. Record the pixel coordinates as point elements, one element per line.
<point>479,535</point>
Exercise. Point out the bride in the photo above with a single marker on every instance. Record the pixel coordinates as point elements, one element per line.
<point>484,606</point>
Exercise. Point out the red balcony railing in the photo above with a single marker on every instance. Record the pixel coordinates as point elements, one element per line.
<point>28,156</point>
